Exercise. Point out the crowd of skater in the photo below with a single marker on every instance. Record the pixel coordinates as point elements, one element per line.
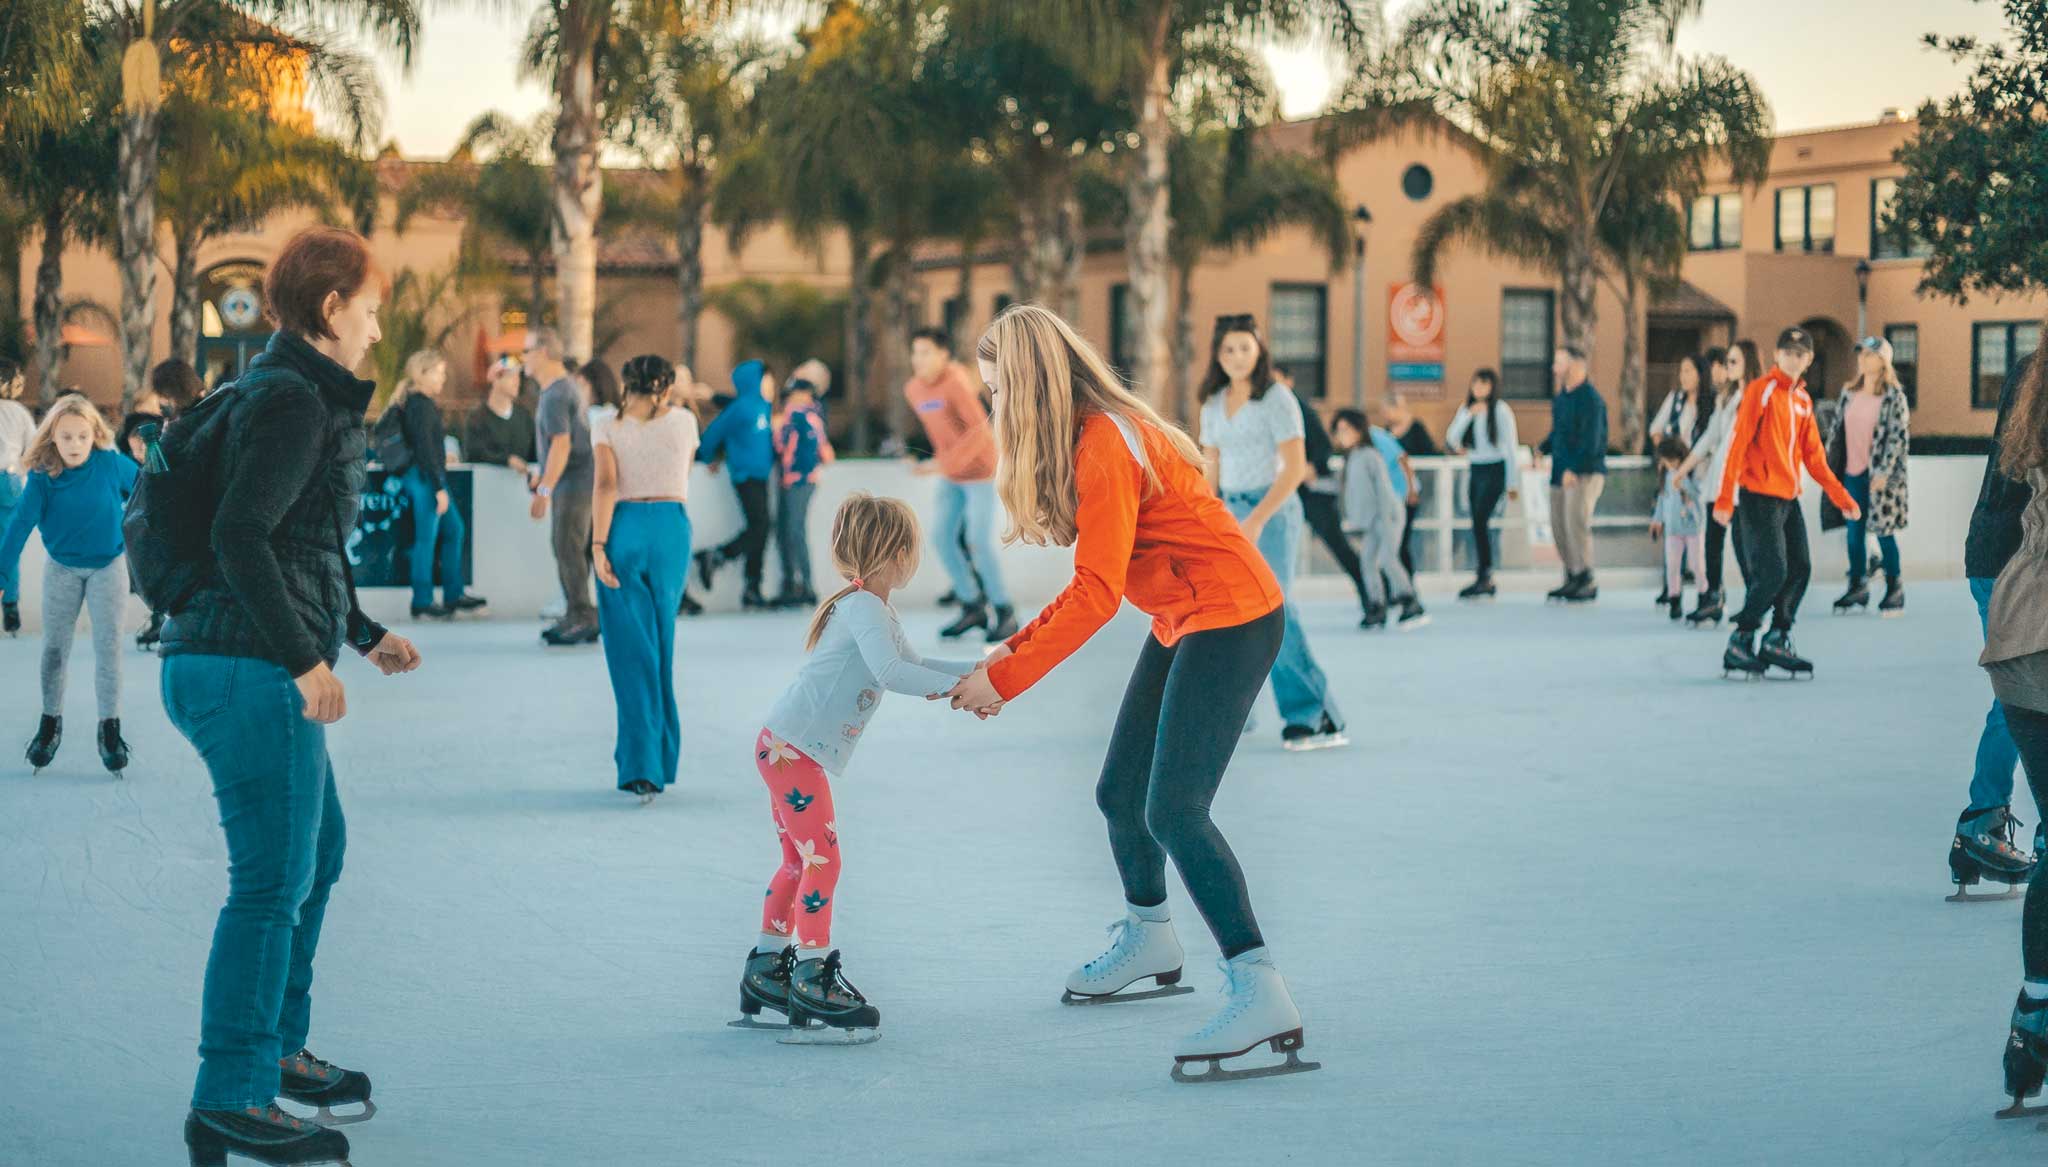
<point>227,512</point>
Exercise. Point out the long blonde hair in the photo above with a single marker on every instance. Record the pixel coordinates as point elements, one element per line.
<point>1048,380</point>
<point>416,366</point>
<point>42,448</point>
<point>869,535</point>
<point>1890,379</point>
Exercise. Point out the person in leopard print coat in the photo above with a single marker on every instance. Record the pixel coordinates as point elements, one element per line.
<point>1867,432</point>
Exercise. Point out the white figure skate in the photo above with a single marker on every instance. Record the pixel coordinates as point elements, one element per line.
<point>1138,949</point>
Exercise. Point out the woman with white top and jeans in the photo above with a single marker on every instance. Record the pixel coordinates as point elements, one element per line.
<point>1727,372</point>
<point>1252,437</point>
<point>1484,431</point>
<point>640,533</point>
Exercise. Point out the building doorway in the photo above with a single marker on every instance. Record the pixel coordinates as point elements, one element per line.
<point>232,324</point>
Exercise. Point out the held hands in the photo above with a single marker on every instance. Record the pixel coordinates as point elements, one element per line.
<point>394,655</point>
<point>321,689</point>
<point>976,694</point>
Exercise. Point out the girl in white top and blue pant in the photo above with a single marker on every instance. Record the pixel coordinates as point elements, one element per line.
<point>640,530</point>
<point>1484,431</point>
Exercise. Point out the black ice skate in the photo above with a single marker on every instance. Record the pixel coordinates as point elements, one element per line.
<point>113,751</point>
<point>265,1134</point>
<point>1778,653</point>
<point>972,616</point>
<point>825,1008</point>
<point>1584,592</point>
<point>1983,849</point>
<point>309,1081</point>
<point>469,603</point>
<point>2026,1057</point>
<point>1739,659</point>
<point>764,984</point>
<point>1858,596</point>
<point>1676,606</point>
<point>708,562</point>
<point>1301,738</point>
<point>645,790</point>
<point>42,749</point>
<point>10,618</point>
<point>1479,589</point>
<point>1558,595</point>
<point>1412,615</point>
<point>1003,625</point>
<point>1894,602</point>
<point>689,607</point>
<point>1375,618</point>
<point>752,600</point>
<point>1709,610</point>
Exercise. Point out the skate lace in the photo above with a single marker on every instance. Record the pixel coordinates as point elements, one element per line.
<point>1120,949</point>
<point>834,979</point>
<point>1236,990</point>
<point>306,1065</point>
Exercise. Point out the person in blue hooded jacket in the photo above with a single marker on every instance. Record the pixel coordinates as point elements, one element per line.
<point>743,438</point>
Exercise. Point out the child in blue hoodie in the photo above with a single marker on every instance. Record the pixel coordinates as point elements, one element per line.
<point>744,439</point>
<point>77,489</point>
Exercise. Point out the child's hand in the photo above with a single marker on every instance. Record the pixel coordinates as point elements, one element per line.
<point>1656,530</point>
<point>976,693</point>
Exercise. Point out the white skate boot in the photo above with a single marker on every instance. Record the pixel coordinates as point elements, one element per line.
<point>1138,948</point>
<point>1257,1011</point>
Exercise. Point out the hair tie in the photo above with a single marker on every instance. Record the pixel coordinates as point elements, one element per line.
<point>858,583</point>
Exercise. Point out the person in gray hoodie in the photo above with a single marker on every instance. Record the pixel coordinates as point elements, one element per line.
<point>1375,515</point>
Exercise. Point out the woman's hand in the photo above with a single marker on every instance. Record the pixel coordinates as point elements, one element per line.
<point>603,565</point>
<point>440,502</point>
<point>539,509</point>
<point>394,655</point>
<point>321,689</point>
<point>976,694</point>
<point>1656,530</point>
<point>1877,482</point>
<point>1253,525</point>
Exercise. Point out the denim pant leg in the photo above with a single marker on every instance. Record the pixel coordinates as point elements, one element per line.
<point>273,782</point>
<point>981,540</point>
<point>1856,530</point>
<point>10,573</point>
<point>450,542</point>
<point>296,1015</point>
<point>1300,690</point>
<point>628,614</point>
<point>792,539</point>
<point>1991,781</point>
<point>426,529</point>
<point>951,499</point>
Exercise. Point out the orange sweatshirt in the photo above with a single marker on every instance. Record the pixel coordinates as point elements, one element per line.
<point>1176,553</point>
<point>1774,432</point>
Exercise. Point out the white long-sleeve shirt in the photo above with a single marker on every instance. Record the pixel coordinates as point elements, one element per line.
<point>862,654</point>
<point>1495,443</point>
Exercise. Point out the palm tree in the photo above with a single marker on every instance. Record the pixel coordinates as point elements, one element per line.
<point>424,311</point>
<point>169,38</point>
<point>505,201</point>
<point>1579,111</point>
<point>788,322</point>
<point>42,54</point>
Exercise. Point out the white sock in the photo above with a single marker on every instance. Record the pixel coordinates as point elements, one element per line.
<point>1156,914</point>
<point>2035,990</point>
<point>771,942</point>
<point>808,952</point>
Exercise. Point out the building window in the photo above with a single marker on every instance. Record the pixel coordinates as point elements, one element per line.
<point>1715,222</point>
<point>1996,350</point>
<point>1895,243</point>
<point>1299,334</point>
<point>1417,182</point>
<point>1003,300</point>
<point>953,318</point>
<point>1123,331</point>
<point>1905,342</point>
<point>1806,218</point>
<point>1528,340</point>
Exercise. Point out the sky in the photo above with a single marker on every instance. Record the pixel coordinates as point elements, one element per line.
<point>1820,62</point>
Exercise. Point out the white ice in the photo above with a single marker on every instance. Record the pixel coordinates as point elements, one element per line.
<point>1570,899</point>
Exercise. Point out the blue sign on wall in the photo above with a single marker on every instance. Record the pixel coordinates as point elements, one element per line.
<point>380,548</point>
<point>1416,371</point>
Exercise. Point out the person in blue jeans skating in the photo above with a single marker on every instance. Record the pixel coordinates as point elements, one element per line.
<point>1984,847</point>
<point>1252,439</point>
<point>412,418</point>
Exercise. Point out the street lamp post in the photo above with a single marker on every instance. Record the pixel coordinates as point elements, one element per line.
<point>1862,298</point>
<point>1361,222</point>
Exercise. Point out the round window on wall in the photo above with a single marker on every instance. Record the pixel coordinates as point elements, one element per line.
<point>1417,182</point>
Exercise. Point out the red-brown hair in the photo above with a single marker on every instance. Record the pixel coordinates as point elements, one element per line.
<point>315,262</point>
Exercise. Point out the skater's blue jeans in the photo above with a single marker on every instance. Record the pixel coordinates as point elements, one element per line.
<point>432,532</point>
<point>11,486</point>
<point>792,535</point>
<point>649,550</point>
<point>1991,782</point>
<point>1858,486</point>
<point>285,836</point>
<point>1299,687</point>
<point>967,513</point>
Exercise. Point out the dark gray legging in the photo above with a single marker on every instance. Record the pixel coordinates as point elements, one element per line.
<point>2030,733</point>
<point>1182,716</point>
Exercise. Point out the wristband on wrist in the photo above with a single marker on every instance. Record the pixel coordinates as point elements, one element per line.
<point>544,490</point>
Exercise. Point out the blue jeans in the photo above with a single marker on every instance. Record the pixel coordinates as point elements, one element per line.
<point>649,549</point>
<point>285,833</point>
<point>792,535</point>
<point>1858,486</point>
<point>431,532</point>
<point>11,486</point>
<point>967,513</point>
<point>1991,782</point>
<point>1299,687</point>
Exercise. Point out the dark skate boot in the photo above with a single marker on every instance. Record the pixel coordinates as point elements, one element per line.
<point>1740,659</point>
<point>1984,850</point>
<point>432,612</point>
<point>265,1134</point>
<point>2026,1056</point>
<point>972,616</point>
<point>1664,597</point>
<point>113,751</point>
<point>10,618</point>
<point>708,562</point>
<point>1858,596</point>
<point>949,599</point>
<point>1558,594</point>
<point>646,791</point>
<point>689,607</point>
<point>1479,589</point>
<point>1303,738</point>
<point>1676,606</point>
<point>825,1008</point>
<point>309,1081</point>
<point>1709,610</point>
<point>1894,602</point>
<point>1585,592</point>
<point>764,984</point>
<point>753,601</point>
<point>1005,624</point>
<point>1375,618</point>
<point>42,749</point>
<point>1777,652</point>
<point>1412,616</point>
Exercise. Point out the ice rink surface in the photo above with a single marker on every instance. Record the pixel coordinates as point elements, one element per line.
<point>1569,899</point>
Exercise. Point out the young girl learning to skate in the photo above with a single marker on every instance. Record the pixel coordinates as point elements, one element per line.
<point>1680,521</point>
<point>77,489</point>
<point>857,652</point>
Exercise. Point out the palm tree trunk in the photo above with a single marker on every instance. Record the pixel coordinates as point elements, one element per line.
<point>141,132</point>
<point>1150,221</point>
<point>899,316</point>
<point>185,299</point>
<point>1635,373</point>
<point>49,307</point>
<point>536,291</point>
<point>963,289</point>
<point>1072,249</point>
<point>859,340</point>
<point>11,233</point>
<point>1037,245</point>
<point>579,185</point>
<point>1576,310</point>
<point>1183,344</point>
<point>690,214</point>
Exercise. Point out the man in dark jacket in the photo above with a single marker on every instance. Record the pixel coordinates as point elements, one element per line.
<point>1577,447</point>
<point>1983,847</point>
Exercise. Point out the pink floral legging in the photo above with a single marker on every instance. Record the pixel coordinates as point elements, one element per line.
<point>800,795</point>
